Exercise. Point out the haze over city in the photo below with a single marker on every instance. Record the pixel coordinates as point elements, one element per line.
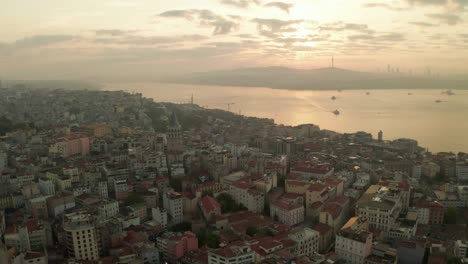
<point>234,131</point>
<point>135,40</point>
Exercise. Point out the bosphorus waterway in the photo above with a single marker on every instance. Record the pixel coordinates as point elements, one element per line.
<point>399,113</point>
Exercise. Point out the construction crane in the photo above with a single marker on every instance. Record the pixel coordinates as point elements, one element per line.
<point>229,106</point>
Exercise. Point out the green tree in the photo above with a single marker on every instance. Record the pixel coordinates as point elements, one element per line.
<point>206,238</point>
<point>181,227</point>
<point>134,198</point>
<point>450,216</point>
<point>228,204</point>
<point>251,231</point>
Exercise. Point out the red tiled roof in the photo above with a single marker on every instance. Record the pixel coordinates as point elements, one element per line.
<point>209,204</point>
<point>334,182</point>
<point>286,205</point>
<point>309,168</point>
<point>333,209</point>
<point>316,187</point>
<point>322,228</point>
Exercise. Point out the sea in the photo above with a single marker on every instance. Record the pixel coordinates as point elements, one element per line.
<point>437,120</point>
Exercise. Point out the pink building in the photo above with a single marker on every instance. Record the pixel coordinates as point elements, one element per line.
<point>175,245</point>
<point>74,144</point>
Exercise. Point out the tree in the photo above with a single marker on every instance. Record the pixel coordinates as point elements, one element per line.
<point>228,204</point>
<point>176,184</point>
<point>251,231</point>
<point>181,227</point>
<point>207,238</point>
<point>6,125</point>
<point>134,198</point>
<point>450,216</point>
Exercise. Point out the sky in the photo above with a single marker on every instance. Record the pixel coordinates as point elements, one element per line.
<point>144,39</point>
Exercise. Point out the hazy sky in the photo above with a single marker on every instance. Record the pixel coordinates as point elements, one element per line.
<point>107,39</point>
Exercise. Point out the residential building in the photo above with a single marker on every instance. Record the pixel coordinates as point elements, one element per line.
<point>354,241</point>
<point>81,236</point>
<point>307,241</point>
<point>173,204</point>
<point>209,207</point>
<point>175,245</point>
<point>244,193</point>
<point>235,253</point>
<point>288,213</point>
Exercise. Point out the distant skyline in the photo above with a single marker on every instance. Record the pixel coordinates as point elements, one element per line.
<point>123,39</point>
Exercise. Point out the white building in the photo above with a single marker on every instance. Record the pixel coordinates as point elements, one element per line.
<point>236,253</point>
<point>46,187</point>
<point>423,215</point>
<point>30,257</point>
<point>244,193</point>
<point>307,241</point>
<point>380,206</point>
<point>108,209</point>
<point>287,213</point>
<point>461,249</point>
<point>173,204</point>
<point>461,170</point>
<point>354,241</point>
<point>430,169</point>
<point>159,215</point>
<point>81,236</point>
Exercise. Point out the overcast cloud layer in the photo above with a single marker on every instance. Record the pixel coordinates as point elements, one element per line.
<point>141,40</point>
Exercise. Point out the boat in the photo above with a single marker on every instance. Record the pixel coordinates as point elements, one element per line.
<point>449,92</point>
<point>339,90</point>
<point>438,101</point>
<point>333,98</point>
<point>410,94</point>
<point>367,93</point>
<point>336,112</point>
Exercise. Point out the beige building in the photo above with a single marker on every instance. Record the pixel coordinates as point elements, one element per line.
<point>244,193</point>
<point>307,241</point>
<point>81,236</point>
<point>287,212</point>
<point>354,241</point>
<point>381,206</point>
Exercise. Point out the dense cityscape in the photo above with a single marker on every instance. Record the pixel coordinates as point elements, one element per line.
<point>90,176</point>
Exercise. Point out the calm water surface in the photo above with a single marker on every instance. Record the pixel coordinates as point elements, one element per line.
<point>438,126</point>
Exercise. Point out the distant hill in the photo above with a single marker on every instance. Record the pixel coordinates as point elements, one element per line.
<point>317,79</point>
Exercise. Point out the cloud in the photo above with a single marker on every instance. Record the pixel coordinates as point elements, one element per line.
<point>38,41</point>
<point>341,26</point>
<point>241,3</point>
<point>385,37</point>
<point>448,4</point>
<point>271,27</point>
<point>220,24</point>
<point>133,40</point>
<point>422,24</point>
<point>383,5</point>
<point>449,19</point>
<point>112,32</point>
<point>280,5</point>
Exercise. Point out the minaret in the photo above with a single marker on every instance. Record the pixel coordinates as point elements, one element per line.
<point>174,134</point>
<point>380,136</point>
<point>191,100</point>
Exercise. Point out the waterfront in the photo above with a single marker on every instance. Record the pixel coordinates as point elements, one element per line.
<point>438,126</point>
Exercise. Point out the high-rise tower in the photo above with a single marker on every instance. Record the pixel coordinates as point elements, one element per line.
<point>174,134</point>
